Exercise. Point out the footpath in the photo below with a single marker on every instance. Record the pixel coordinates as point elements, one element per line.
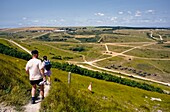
<point>36,107</point>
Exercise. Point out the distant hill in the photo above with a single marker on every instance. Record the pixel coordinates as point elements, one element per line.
<point>126,27</point>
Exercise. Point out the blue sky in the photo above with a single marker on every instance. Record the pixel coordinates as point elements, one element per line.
<point>141,13</point>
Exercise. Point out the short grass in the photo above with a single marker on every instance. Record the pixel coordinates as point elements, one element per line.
<point>118,49</point>
<point>165,46</point>
<point>164,33</point>
<point>21,35</point>
<point>49,50</point>
<point>124,38</point>
<point>158,67</point>
<point>164,87</point>
<point>149,53</point>
<point>91,52</point>
<point>14,84</point>
<point>106,96</point>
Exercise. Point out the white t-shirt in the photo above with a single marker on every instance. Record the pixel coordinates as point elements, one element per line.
<point>34,66</point>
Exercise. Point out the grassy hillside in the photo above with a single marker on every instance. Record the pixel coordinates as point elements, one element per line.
<point>106,96</point>
<point>14,84</point>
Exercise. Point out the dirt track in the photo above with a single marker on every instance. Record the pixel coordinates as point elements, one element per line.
<point>91,63</point>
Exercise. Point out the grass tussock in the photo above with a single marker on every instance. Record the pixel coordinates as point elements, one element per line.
<point>14,84</point>
<point>65,98</point>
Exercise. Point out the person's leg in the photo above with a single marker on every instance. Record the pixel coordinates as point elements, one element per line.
<point>49,80</point>
<point>42,91</point>
<point>33,91</point>
<point>48,74</point>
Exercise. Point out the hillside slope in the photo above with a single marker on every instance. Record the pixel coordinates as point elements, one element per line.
<point>14,86</point>
<point>106,96</point>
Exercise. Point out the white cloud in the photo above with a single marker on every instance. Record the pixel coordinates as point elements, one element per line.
<point>120,12</point>
<point>62,20</point>
<point>24,18</point>
<point>129,12</point>
<point>113,19</point>
<point>35,21</point>
<point>99,21</point>
<point>138,13</point>
<point>150,11</point>
<point>20,24</point>
<point>55,20</point>
<point>99,14</point>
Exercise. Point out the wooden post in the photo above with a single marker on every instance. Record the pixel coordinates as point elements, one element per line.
<point>69,77</point>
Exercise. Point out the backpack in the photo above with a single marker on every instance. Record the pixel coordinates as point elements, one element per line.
<point>47,65</point>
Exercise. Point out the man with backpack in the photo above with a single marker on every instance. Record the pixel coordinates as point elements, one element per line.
<point>47,67</point>
<point>35,69</point>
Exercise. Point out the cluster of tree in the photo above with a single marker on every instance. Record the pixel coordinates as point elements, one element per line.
<point>13,52</point>
<point>67,36</point>
<point>61,58</point>
<point>44,37</point>
<point>78,48</point>
<point>104,76</point>
<point>130,69</point>
<point>3,33</point>
<point>92,39</point>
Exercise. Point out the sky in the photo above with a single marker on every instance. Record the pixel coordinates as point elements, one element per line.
<point>135,13</point>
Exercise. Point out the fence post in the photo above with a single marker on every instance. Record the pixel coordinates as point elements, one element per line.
<point>69,77</point>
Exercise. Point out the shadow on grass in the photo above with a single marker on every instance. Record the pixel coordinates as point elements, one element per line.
<point>167,46</point>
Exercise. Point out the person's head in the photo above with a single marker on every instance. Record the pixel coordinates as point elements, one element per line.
<point>34,53</point>
<point>44,57</point>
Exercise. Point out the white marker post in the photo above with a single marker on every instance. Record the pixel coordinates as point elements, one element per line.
<point>69,77</point>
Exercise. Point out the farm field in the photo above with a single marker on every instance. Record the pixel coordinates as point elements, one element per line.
<point>137,50</point>
<point>130,54</point>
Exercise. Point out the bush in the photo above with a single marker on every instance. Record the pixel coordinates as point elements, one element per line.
<point>78,48</point>
<point>13,52</point>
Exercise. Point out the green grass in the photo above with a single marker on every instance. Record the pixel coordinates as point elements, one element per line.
<point>149,53</point>
<point>158,67</point>
<point>106,96</point>
<point>118,48</point>
<point>14,84</point>
<point>124,38</point>
<point>21,35</point>
<point>11,45</point>
<point>163,47</point>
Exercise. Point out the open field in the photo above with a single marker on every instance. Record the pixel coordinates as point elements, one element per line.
<point>132,52</point>
<point>136,45</point>
<point>150,53</point>
<point>106,96</point>
<point>84,36</point>
<point>26,29</point>
<point>136,66</point>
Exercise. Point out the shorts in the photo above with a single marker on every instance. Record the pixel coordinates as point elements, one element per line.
<point>47,73</point>
<point>33,82</point>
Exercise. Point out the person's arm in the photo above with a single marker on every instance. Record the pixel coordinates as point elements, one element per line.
<point>42,71</point>
<point>27,69</point>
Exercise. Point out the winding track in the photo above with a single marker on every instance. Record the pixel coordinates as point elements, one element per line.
<point>91,63</point>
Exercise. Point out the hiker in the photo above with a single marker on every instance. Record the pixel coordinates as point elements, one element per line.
<point>47,67</point>
<point>35,69</point>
